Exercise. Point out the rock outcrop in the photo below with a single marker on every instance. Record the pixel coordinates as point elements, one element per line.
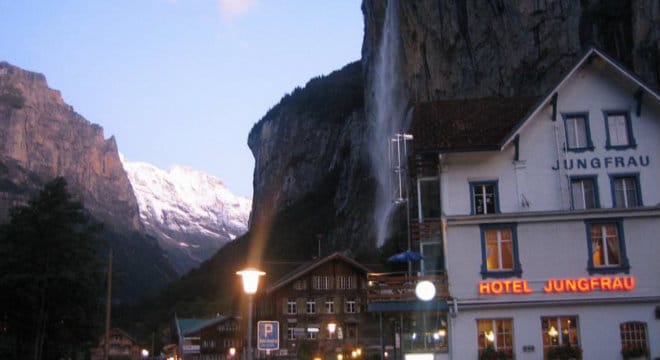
<point>461,49</point>
<point>40,134</point>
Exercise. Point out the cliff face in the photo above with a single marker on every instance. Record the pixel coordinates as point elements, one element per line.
<point>449,49</point>
<point>467,48</point>
<point>42,135</point>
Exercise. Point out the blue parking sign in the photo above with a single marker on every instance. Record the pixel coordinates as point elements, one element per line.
<point>268,335</point>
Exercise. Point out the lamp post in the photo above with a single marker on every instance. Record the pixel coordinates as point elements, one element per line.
<point>250,278</point>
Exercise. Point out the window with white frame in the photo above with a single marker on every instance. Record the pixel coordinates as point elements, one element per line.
<point>484,197</point>
<point>291,333</point>
<point>625,190</point>
<point>584,192</point>
<point>496,334</point>
<point>499,246</point>
<point>350,306</point>
<point>559,331</point>
<point>330,305</point>
<point>310,306</point>
<point>578,137</point>
<point>312,334</point>
<point>346,282</point>
<point>606,246</point>
<point>322,282</point>
<point>291,306</point>
<point>619,130</point>
<point>428,199</point>
<point>634,340</point>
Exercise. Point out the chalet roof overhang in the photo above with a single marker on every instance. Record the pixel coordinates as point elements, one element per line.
<point>308,267</point>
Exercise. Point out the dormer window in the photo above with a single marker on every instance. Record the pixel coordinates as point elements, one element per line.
<point>578,136</point>
<point>619,130</point>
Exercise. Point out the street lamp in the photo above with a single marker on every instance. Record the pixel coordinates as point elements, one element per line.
<point>250,278</point>
<point>331,329</point>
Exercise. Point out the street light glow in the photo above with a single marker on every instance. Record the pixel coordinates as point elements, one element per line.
<point>250,278</point>
<point>425,290</point>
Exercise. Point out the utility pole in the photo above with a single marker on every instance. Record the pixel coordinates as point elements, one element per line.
<point>108,307</point>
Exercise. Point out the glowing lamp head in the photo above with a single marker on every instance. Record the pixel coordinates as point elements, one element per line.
<point>232,351</point>
<point>145,353</point>
<point>553,332</point>
<point>425,290</point>
<point>490,336</point>
<point>250,278</point>
<point>332,327</point>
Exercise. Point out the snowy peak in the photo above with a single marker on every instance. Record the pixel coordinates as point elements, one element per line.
<point>191,213</point>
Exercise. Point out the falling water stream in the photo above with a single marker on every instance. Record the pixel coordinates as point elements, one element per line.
<point>389,117</point>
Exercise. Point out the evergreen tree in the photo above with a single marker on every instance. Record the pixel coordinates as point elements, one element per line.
<point>51,279</point>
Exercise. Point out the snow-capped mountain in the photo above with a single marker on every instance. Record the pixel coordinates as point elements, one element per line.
<point>191,213</point>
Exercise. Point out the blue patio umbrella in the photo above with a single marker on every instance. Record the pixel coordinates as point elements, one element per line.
<point>406,256</point>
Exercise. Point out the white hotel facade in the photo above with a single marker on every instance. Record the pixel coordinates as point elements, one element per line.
<point>550,213</point>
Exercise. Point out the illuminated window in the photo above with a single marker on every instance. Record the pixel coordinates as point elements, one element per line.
<point>330,306</point>
<point>499,251</point>
<point>633,338</point>
<point>311,306</point>
<point>625,190</point>
<point>496,334</point>
<point>559,331</point>
<point>584,192</point>
<point>606,247</point>
<point>578,137</point>
<point>291,307</point>
<point>619,130</point>
<point>346,282</point>
<point>484,197</point>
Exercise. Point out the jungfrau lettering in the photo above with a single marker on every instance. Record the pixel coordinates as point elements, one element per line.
<point>565,285</point>
<point>607,162</point>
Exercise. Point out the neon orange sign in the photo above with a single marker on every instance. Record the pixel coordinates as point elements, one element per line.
<point>565,285</point>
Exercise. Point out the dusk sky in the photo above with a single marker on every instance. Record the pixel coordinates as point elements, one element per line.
<point>180,82</point>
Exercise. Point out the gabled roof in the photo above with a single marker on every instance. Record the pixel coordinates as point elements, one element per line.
<point>306,268</point>
<point>467,124</point>
<point>186,326</point>
<point>491,123</point>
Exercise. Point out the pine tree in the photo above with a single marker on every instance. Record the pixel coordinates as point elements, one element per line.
<point>51,279</point>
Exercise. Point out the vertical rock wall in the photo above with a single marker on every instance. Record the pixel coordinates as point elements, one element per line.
<point>43,135</point>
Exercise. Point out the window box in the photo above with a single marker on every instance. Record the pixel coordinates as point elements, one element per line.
<point>565,352</point>
<point>490,353</point>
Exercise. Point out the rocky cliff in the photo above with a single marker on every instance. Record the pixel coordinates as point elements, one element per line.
<point>447,49</point>
<point>43,136</point>
<point>466,48</point>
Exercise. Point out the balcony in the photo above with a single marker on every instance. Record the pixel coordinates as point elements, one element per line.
<point>401,286</point>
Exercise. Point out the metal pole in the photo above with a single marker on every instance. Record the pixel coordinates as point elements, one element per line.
<point>108,308</point>
<point>249,334</point>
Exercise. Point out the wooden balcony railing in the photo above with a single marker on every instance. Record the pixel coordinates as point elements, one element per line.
<point>401,286</point>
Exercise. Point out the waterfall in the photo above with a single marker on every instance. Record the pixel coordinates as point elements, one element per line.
<point>388,117</point>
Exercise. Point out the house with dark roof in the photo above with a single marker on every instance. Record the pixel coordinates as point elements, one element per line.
<point>321,309</point>
<point>121,345</point>
<point>544,214</point>
<point>216,338</point>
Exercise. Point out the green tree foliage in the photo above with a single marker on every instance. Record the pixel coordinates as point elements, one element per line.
<point>51,281</point>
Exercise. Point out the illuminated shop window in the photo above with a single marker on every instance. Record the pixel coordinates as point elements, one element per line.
<point>559,331</point>
<point>495,335</point>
